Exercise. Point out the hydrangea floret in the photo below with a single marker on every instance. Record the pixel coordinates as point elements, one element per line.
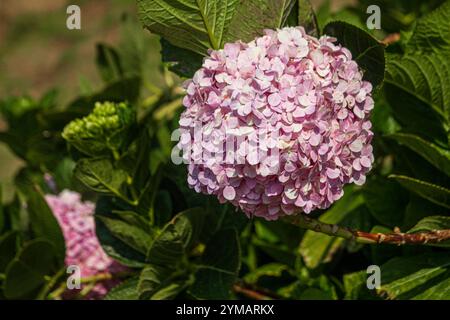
<point>83,249</point>
<point>308,91</point>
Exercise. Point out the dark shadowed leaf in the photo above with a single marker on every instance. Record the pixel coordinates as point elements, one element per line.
<point>218,268</point>
<point>386,201</point>
<point>434,193</point>
<point>417,277</point>
<point>181,61</point>
<point>28,271</point>
<point>437,156</point>
<point>317,248</point>
<point>8,248</point>
<point>43,222</point>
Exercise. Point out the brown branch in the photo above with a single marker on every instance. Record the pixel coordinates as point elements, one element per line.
<point>255,295</point>
<point>253,291</point>
<point>398,238</point>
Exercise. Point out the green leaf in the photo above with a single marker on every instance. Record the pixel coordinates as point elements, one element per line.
<point>273,269</point>
<point>196,25</point>
<point>177,237</point>
<point>126,290</point>
<point>416,277</point>
<point>160,282</point>
<point>433,223</point>
<point>28,271</point>
<point>437,156</point>
<point>100,175</point>
<point>434,193</point>
<point>355,285</point>
<point>219,267</point>
<point>279,252</point>
<point>423,70</point>
<point>317,248</point>
<point>42,221</point>
<point>133,236</point>
<point>181,61</point>
<point>386,201</point>
<point>113,246</point>
<point>366,50</point>
<point>8,248</point>
<point>108,63</point>
<point>252,17</point>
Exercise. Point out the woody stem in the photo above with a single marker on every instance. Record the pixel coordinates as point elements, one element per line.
<point>305,222</point>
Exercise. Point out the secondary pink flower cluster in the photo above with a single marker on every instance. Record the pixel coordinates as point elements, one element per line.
<point>82,246</point>
<point>308,90</point>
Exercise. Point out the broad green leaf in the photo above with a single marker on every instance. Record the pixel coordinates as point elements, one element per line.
<point>434,193</point>
<point>278,232</point>
<point>126,290</point>
<point>197,25</point>
<point>386,201</point>
<point>317,248</point>
<point>108,63</point>
<point>160,282</point>
<point>218,268</point>
<point>423,70</point>
<point>431,223</point>
<point>42,221</point>
<point>133,236</point>
<point>419,208</point>
<point>437,156</point>
<point>113,246</point>
<point>252,17</point>
<point>8,248</point>
<point>100,175</point>
<point>176,238</point>
<point>415,277</point>
<point>355,285</point>
<point>181,61</point>
<point>28,271</point>
<point>279,252</point>
<point>366,50</point>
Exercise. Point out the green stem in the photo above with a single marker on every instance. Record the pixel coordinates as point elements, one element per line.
<point>44,293</point>
<point>397,238</point>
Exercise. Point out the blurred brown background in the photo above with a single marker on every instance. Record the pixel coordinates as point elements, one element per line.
<point>38,52</point>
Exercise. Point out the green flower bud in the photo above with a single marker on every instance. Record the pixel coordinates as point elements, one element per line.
<point>103,131</point>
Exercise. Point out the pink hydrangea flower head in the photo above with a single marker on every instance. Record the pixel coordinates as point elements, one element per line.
<point>82,246</point>
<point>278,125</point>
